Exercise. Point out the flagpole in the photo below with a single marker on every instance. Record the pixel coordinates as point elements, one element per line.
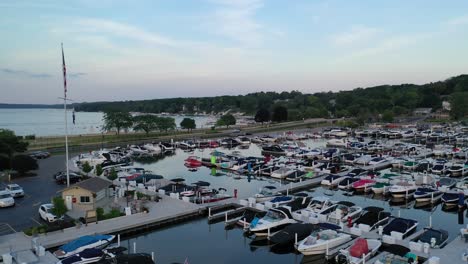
<point>66,119</point>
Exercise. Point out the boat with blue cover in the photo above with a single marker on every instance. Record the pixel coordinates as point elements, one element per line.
<point>82,243</point>
<point>89,255</point>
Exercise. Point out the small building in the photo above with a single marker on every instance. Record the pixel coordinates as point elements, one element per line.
<point>87,195</point>
<point>422,111</point>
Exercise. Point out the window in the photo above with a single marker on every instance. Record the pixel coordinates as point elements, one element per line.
<point>85,199</point>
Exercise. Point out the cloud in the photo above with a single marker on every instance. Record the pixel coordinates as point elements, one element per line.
<point>77,74</point>
<point>92,25</point>
<point>458,21</point>
<point>23,73</point>
<point>236,20</point>
<point>357,34</point>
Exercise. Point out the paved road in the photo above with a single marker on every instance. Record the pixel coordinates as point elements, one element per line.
<point>39,189</point>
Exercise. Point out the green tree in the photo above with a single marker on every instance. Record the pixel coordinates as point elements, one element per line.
<point>99,170</point>
<point>226,120</point>
<point>280,114</point>
<point>262,115</point>
<point>188,123</point>
<point>387,116</point>
<point>23,164</point>
<point>11,144</point>
<point>459,105</point>
<point>86,168</point>
<point>112,175</point>
<point>166,123</point>
<point>117,120</point>
<point>145,123</point>
<point>59,209</point>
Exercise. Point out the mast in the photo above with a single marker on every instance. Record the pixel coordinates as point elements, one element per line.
<point>66,119</point>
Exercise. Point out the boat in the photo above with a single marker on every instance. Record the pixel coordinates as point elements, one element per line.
<point>396,254</point>
<point>289,233</point>
<point>436,238</point>
<point>342,212</point>
<point>410,165</point>
<point>248,216</point>
<point>82,243</point>
<point>337,142</point>
<point>275,149</point>
<point>89,255</point>
<point>402,189</point>
<point>134,258</point>
<point>453,198</point>
<point>187,145</point>
<point>427,194</point>
<point>347,183</point>
<point>373,217</point>
<point>322,241</point>
<point>152,148</point>
<point>380,188</point>
<point>267,193</point>
<point>446,183</point>
<point>332,180</point>
<point>193,161</point>
<point>360,252</point>
<point>281,200</point>
<point>363,185</point>
<point>166,147</point>
<point>282,172</point>
<point>274,220</point>
<point>456,170</point>
<point>401,225</point>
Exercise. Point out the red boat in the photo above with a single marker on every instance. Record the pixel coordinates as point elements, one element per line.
<point>193,161</point>
<point>364,184</point>
<point>213,144</point>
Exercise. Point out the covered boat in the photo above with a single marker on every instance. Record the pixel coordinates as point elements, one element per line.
<point>89,255</point>
<point>373,217</point>
<point>347,183</point>
<point>135,258</point>
<point>289,233</point>
<point>397,254</point>
<point>363,185</point>
<point>332,180</point>
<point>427,194</point>
<point>436,238</point>
<point>361,251</point>
<point>401,225</point>
<point>267,193</point>
<point>82,243</point>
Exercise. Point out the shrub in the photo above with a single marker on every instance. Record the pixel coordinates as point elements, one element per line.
<point>112,175</point>
<point>99,170</point>
<point>86,167</point>
<point>59,206</point>
<point>23,164</point>
<point>100,213</point>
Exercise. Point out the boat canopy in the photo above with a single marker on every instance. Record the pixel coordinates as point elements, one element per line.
<point>83,241</point>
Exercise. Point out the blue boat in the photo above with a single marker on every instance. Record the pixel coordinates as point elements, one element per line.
<point>82,243</point>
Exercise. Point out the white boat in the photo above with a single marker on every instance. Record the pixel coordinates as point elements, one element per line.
<point>137,150</point>
<point>94,158</point>
<point>457,170</point>
<point>152,148</point>
<point>319,242</point>
<point>82,243</point>
<point>266,193</point>
<point>274,220</point>
<point>361,251</point>
<point>344,211</point>
<point>282,173</point>
<point>337,142</point>
<point>89,255</point>
<point>427,194</point>
<point>402,190</point>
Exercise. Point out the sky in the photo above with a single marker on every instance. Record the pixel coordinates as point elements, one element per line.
<point>133,50</point>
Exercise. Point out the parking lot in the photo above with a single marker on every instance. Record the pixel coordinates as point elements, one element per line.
<point>38,190</point>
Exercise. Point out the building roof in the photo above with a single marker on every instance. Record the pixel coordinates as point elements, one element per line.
<point>94,184</point>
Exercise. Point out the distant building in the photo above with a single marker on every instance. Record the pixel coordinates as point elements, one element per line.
<point>422,111</point>
<point>446,106</point>
<point>87,195</point>
<point>441,114</point>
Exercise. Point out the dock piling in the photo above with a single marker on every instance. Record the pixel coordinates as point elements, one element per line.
<point>118,240</point>
<point>152,256</point>
<point>295,239</point>
<point>134,247</point>
<point>245,224</point>
<point>209,211</point>
<point>225,217</point>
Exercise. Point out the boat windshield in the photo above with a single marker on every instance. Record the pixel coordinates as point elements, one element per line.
<point>4,196</point>
<point>273,216</point>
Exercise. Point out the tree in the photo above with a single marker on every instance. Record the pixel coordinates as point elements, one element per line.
<point>387,116</point>
<point>118,120</point>
<point>99,170</point>
<point>262,115</point>
<point>166,123</point>
<point>458,104</point>
<point>59,209</point>
<point>226,120</point>
<point>188,123</point>
<point>86,168</point>
<point>11,144</point>
<point>145,123</point>
<point>112,175</point>
<point>23,164</point>
<point>280,114</point>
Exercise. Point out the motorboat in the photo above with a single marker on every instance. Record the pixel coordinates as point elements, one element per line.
<point>138,150</point>
<point>397,254</point>
<point>89,255</point>
<point>360,252</point>
<point>267,138</point>
<point>282,173</point>
<point>427,194</point>
<point>439,168</point>
<point>337,142</point>
<point>347,183</point>
<point>446,183</point>
<point>436,238</point>
<point>289,233</point>
<point>380,188</point>
<point>321,241</point>
<point>453,198</point>
<point>363,185</point>
<point>275,149</point>
<point>402,189</point>
<point>373,217</point>
<point>187,145</point>
<point>332,180</point>
<point>377,160</point>
<point>363,160</point>
<point>410,165</point>
<point>456,170</point>
<point>152,148</point>
<point>401,225</point>
<point>274,220</point>
<point>267,193</point>
<point>82,243</point>
<point>193,161</point>
<point>166,147</point>
<point>132,258</point>
<point>342,212</point>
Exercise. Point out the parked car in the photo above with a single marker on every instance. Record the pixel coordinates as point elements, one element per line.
<point>45,211</point>
<point>6,200</point>
<point>15,190</point>
<point>61,177</point>
<point>39,154</point>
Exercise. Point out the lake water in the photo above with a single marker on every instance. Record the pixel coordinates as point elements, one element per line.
<point>200,242</point>
<point>50,122</point>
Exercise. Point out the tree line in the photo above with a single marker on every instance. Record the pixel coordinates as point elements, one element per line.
<point>364,103</point>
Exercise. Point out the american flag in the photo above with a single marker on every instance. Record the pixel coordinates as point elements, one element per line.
<point>186,261</point>
<point>64,74</point>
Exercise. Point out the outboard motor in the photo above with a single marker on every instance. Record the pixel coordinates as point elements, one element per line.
<point>341,259</point>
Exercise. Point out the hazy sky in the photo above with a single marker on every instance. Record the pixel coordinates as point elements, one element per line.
<point>122,50</point>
